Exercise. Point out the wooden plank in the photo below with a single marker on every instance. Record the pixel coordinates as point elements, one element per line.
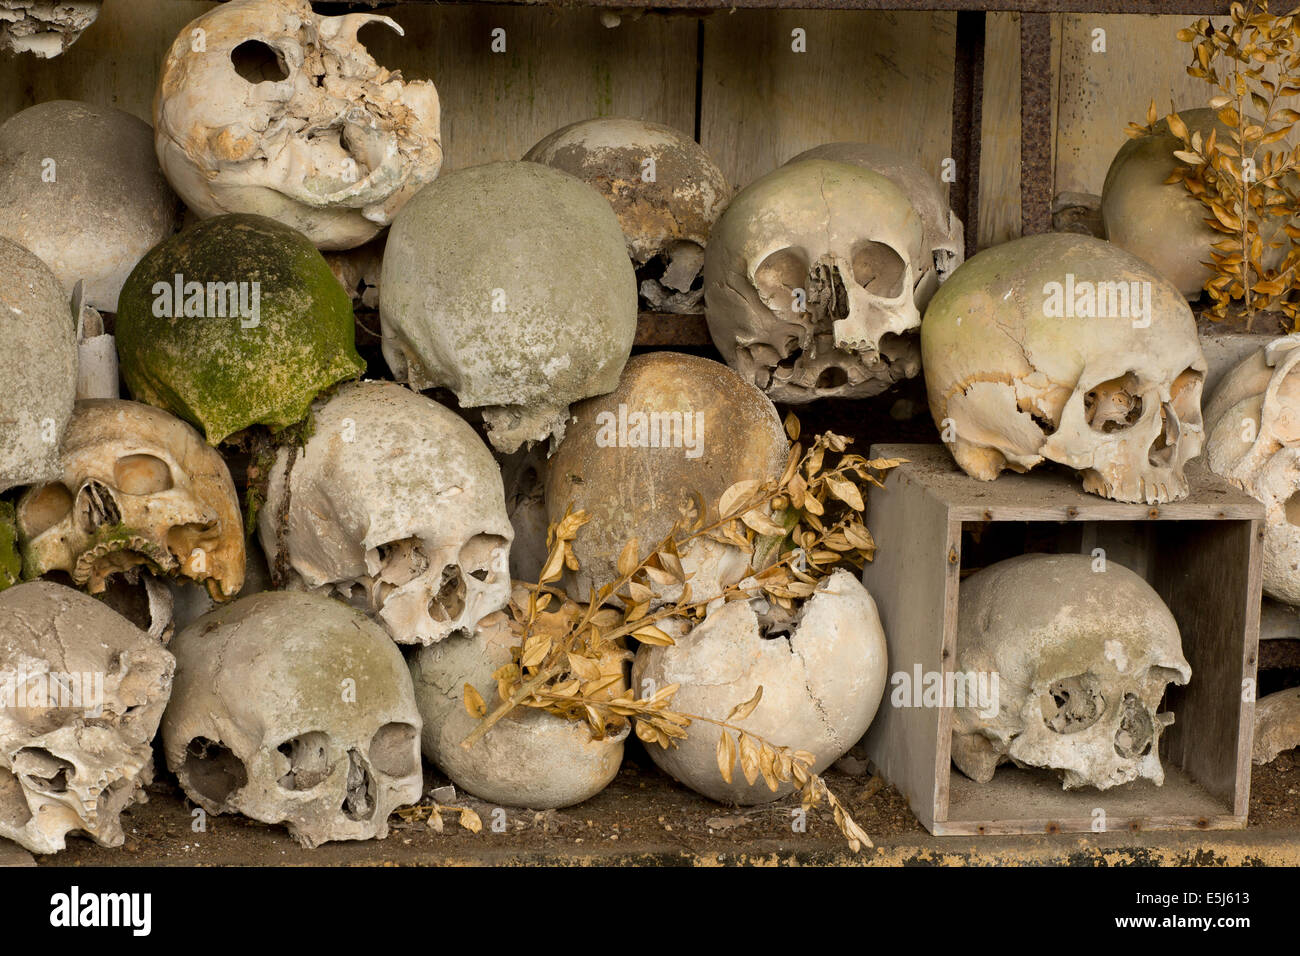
<point>871,77</point>
<point>1209,574</point>
<point>915,587</point>
<point>1101,93</point>
<point>1050,494</point>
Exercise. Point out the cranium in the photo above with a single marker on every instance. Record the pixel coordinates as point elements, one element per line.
<point>264,107</point>
<point>1081,658</point>
<point>810,282</point>
<point>677,427</point>
<point>665,189</point>
<point>83,690</point>
<point>1067,348</point>
<point>1252,428</point>
<point>823,675</point>
<point>38,367</point>
<point>944,248</point>
<point>137,488</point>
<point>296,709</point>
<point>530,758</point>
<point>235,321</point>
<point>80,187</point>
<point>510,285</point>
<point>396,505</point>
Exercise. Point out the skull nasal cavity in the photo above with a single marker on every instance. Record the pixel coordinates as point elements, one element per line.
<point>96,508</point>
<point>258,62</point>
<point>449,602</point>
<point>1073,704</point>
<point>1136,729</point>
<point>141,475</point>
<point>359,801</point>
<point>879,269</point>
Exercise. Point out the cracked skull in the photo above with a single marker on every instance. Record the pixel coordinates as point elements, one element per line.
<point>294,708</point>
<point>1081,657</point>
<point>510,285</point>
<point>810,281</point>
<point>665,189</point>
<point>137,488</point>
<point>83,691</point>
<point>44,28</point>
<point>945,244</point>
<point>1252,428</point>
<point>264,107</point>
<point>822,671</point>
<point>396,506</point>
<point>1066,348</point>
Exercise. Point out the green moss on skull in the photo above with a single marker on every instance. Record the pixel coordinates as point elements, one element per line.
<point>224,373</point>
<point>11,564</point>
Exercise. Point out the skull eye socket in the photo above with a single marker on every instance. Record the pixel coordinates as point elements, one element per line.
<point>258,62</point>
<point>392,750</point>
<point>879,269</point>
<point>1073,704</point>
<point>44,507</point>
<point>141,475</point>
<point>308,756</point>
<point>483,554</point>
<point>212,770</point>
<point>778,276</point>
<point>1113,405</point>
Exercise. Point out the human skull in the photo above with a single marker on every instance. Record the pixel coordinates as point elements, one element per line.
<point>823,675</point>
<point>294,708</point>
<point>44,28</point>
<point>510,285</point>
<point>283,113</point>
<point>80,187</point>
<point>1277,724</point>
<point>1081,659</point>
<point>665,189</point>
<point>397,506</point>
<point>1252,438</point>
<point>944,248</point>
<point>137,488</point>
<point>1067,348</point>
<point>1160,222</point>
<point>236,321</point>
<point>810,282</point>
<point>530,758</point>
<point>88,689</point>
<point>38,367</point>
<point>677,426</point>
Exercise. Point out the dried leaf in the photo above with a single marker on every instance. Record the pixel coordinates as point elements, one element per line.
<point>726,754</point>
<point>475,706</point>
<point>743,710</point>
<point>627,559</point>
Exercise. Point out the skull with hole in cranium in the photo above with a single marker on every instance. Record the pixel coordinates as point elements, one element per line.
<point>396,505</point>
<point>809,281</point>
<point>1081,657</point>
<point>283,113</point>
<point>83,692</point>
<point>1252,438</point>
<point>138,488</point>
<point>294,708</point>
<point>1066,348</point>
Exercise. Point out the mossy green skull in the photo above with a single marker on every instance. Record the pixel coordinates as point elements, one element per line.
<point>236,321</point>
<point>11,564</point>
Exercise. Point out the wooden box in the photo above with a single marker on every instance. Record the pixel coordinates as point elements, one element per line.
<point>1202,555</point>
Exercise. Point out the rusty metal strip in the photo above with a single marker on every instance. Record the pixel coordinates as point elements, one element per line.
<point>1184,7</point>
<point>1035,123</point>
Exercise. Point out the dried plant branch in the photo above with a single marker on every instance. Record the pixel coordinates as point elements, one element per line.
<point>570,659</point>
